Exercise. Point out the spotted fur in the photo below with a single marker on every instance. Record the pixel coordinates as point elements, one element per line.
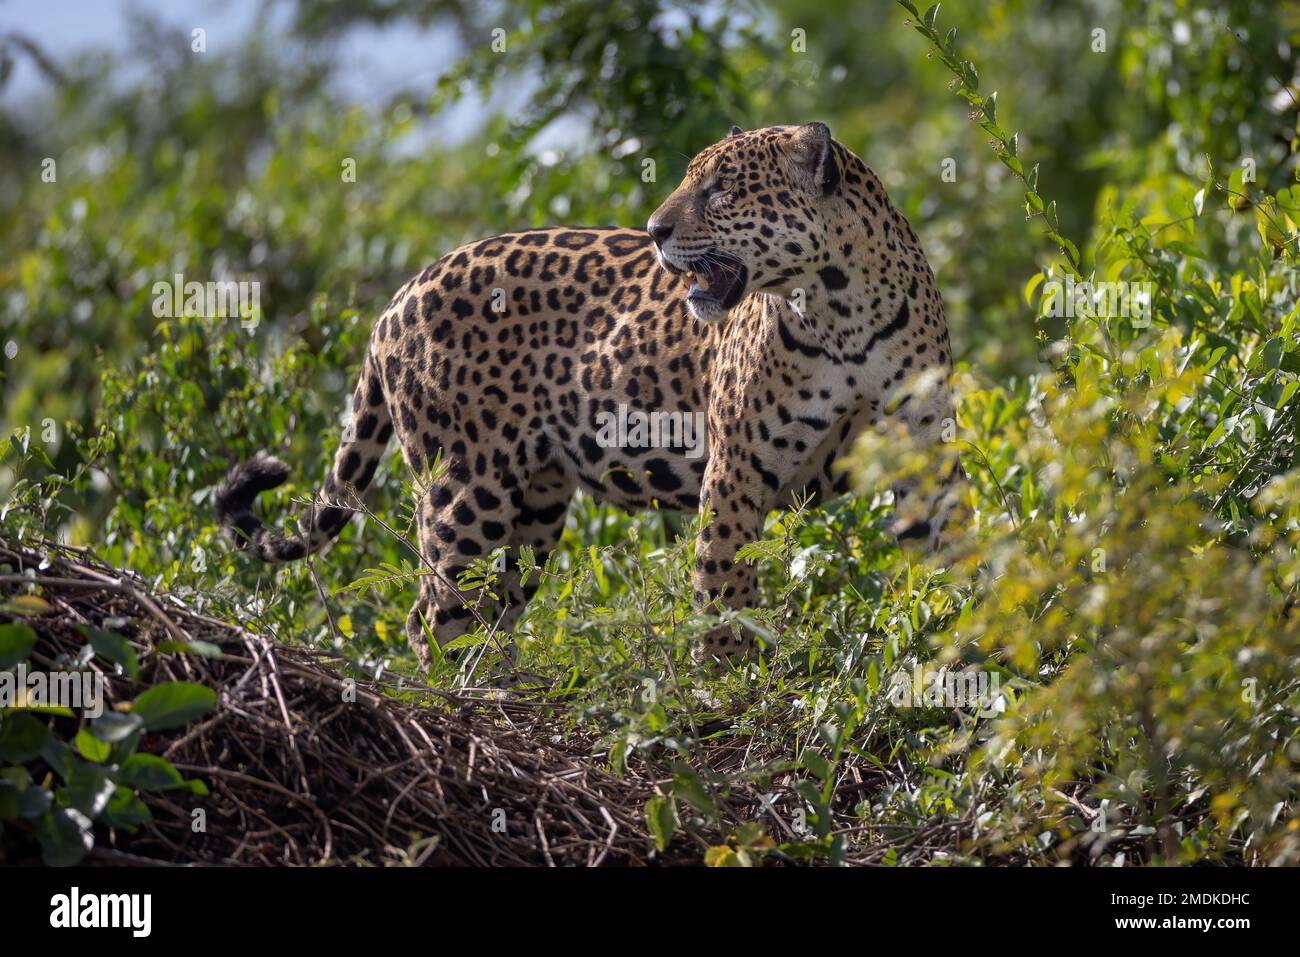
<point>777,291</point>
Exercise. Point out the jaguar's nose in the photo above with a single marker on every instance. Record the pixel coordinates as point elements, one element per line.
<point>659,231</point>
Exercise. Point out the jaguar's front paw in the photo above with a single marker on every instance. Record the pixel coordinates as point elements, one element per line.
<point>722,646</point>
<point>418,639</point>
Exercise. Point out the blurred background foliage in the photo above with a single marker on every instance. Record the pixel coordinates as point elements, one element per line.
<point>1132,566</point>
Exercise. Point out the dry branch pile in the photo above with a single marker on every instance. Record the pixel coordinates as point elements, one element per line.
<point>305,767</point>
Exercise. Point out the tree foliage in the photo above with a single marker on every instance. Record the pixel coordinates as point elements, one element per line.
<point>1130,575</point>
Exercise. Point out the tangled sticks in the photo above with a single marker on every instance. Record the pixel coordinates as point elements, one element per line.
<point>305,767</point>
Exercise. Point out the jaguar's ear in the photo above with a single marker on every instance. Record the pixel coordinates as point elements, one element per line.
<point>735,131</point>
<point>813,155</point>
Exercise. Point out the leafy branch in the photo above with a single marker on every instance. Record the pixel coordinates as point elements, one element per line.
<point>1006,146</point>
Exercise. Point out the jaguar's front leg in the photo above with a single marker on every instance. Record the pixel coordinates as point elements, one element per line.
<point>737,493</point>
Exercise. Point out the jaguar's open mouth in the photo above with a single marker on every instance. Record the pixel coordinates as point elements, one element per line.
<point>719,281</point>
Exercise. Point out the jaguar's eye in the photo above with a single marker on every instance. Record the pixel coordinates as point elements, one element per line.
<point>723,185</point>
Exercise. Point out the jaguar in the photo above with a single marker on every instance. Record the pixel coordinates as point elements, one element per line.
<point>777,294</point>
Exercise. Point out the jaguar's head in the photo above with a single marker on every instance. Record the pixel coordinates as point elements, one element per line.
<point>750,215</point>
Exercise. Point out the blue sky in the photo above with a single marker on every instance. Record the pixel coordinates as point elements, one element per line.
<point>375,62</point>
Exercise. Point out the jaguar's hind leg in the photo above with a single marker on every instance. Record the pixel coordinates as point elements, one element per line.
<point>543,507</point>
<point>458,523</point>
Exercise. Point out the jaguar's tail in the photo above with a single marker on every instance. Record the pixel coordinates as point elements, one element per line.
<point>359,454</point>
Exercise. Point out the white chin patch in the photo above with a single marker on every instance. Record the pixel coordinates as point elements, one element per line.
<point>706,310</point>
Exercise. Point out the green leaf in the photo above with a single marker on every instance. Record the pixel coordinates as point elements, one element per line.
<point>34,802</point>
<point>661,819</point>
<point>204,648</point>
<point>126,811</point>
<point>1272,354</point>
<point>114,648</point>
<point>931,15</point>
<point>801,852</point>
<point>26,605</point>
<point>722,856</point>
<point>1289,201</point>
<point>22,737</point>
<point>1287,392</point>
<point>89,788</point>
<point>814,762</point>
<point>16,644</point>
<point>20,797</point>
<point>148,772</point>
<point>90,747</point>
<point>809,791</point>
<point>690,788</point>
<point>1237,188</point>
<point>1032,285</point>
<point>114,726</point>
<point>58,755</point>
<point>172,704</point>
<point>66,837</point>
<point>13,783</point>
